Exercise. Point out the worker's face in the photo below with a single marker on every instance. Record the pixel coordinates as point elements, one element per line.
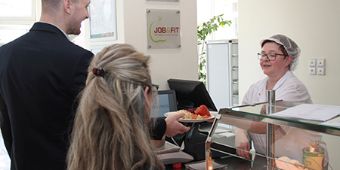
<point>273,61</point>
<point>79,12</point>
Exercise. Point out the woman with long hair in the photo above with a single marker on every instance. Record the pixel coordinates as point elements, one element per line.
<point>111,128</point>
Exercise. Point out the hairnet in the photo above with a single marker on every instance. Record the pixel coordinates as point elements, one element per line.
<point>288,44</point>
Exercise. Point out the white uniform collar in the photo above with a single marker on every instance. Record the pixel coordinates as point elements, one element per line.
<point>286,76</point>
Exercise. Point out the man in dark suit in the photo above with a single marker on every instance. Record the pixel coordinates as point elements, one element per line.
<point>41,74</point>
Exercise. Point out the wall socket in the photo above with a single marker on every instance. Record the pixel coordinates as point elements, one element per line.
<point>320,71</point>
<point>320,62</point>
<point>312,70</point>
<point>317,66</point>
<point>312,62</point>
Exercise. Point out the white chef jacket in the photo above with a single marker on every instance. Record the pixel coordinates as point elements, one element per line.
<point>288,88</point>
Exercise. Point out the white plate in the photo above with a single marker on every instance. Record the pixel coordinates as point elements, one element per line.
<point>192,120</point>
<point>195,120</point>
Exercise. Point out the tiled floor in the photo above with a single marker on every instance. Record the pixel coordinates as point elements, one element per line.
<point>4,159</point>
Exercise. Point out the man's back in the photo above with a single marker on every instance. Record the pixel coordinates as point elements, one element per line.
<point>41,74</point>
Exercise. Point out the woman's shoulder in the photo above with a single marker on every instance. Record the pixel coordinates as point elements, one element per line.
<point>294,81</point>
<point>255,92</point>
<point>294,89</point>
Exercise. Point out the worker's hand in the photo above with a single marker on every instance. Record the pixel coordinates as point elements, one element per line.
<point>243,150</point>
<point>173,126</point>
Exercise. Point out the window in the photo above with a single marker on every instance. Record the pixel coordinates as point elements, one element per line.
<point>10,32</point>
<point>208,9</point>
<point>16,17</point>
<point>17,9</point>
<point>4,159</point>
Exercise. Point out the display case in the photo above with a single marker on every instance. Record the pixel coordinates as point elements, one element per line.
<point>259,140</point>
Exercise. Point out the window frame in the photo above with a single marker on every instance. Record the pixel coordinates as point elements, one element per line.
<point>14,20</point>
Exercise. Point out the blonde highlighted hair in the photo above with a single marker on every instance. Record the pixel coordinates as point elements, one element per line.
<point>111,124</point>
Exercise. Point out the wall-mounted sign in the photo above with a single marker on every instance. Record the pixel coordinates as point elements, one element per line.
<point>163,28</point>
<point>103,19</point>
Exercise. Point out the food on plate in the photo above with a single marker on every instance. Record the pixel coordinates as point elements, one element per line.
<point>200,113</point>
<point>190,116</point>
<point>202,110</point>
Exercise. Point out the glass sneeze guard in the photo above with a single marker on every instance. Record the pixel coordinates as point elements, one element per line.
<point>294,155</point>
<point>255,113</point>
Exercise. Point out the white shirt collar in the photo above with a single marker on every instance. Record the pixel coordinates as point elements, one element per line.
<point>59,29</point>
<point>278,84</point>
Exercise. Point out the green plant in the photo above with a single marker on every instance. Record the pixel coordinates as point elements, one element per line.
<point>203,31</point>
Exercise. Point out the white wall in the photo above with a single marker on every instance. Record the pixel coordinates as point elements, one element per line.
<point>313,24</point>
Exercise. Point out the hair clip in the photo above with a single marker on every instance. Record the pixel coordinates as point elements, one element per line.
<point>98,72</point>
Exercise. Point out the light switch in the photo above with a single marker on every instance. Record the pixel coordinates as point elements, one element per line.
<point>320,62</point>
<point>320,71</point>
<point>312,62</point>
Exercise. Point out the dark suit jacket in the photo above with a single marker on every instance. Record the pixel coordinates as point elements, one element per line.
<point>41,74</point>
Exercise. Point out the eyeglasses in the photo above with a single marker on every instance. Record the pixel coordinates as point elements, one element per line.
<point>154,86</point>
<point>154,90</point>
<point>270,56</point>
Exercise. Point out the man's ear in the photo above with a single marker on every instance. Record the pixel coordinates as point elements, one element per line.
<point>67,6</point>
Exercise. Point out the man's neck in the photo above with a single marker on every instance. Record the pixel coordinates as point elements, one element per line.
<point>54,19</point>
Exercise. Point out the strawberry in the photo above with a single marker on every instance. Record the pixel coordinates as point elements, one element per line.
<point>202,111</point>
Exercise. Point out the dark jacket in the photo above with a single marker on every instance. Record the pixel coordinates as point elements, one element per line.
<point>41,74</point>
